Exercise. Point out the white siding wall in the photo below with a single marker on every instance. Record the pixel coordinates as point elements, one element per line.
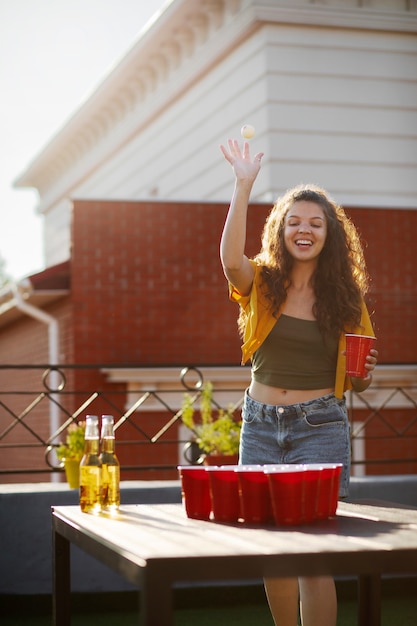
<point>343,113</point>
<point>332,106</point>
<point>177,157</point>
<point>57,233</point>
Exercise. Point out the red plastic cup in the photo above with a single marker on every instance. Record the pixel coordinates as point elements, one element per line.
<point>286,487</point>
<point>357,349</point>
<point>334,495</point>
<point>224,490</point>
<point>195,489</point>
<point>328,490</point>
<point>311,492</point>
<point>255,499</point>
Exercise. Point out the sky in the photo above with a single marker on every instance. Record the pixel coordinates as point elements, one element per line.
<point>53,54</point>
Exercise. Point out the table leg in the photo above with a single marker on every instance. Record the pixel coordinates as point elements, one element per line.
<point>61,611</point>
<point>156,606</point>
<point>369,610</point>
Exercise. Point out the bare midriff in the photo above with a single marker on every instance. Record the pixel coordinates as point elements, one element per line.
<point>274,395</point>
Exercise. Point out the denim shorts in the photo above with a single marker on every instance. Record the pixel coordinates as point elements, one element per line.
<point>316,431</point>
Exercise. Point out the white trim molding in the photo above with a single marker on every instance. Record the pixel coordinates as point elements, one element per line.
<point>231,382</point>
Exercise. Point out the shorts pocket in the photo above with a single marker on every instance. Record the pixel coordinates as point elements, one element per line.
<point>252,412</point>
<point>326,416</point>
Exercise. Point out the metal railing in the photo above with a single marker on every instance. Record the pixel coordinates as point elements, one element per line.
<point>34,420</point>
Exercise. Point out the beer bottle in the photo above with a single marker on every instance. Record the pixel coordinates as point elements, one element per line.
<point>90,469</point>
<point>110,466</point>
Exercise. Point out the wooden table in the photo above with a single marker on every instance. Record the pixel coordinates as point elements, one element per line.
<point>155,546</point>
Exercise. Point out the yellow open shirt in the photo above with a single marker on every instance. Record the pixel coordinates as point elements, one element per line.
<point>259,323</point>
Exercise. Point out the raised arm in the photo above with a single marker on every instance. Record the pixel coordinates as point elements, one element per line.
<point>236,266</point>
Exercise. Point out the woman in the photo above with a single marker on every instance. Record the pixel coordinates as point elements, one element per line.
<point>297,299</point>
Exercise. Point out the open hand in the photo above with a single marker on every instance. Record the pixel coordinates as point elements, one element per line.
<point>244,168</point>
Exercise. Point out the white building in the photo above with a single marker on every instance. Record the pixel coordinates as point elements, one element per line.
<point>330,86</point>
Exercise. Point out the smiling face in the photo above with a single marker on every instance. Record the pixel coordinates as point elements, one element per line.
<point>305,231</point>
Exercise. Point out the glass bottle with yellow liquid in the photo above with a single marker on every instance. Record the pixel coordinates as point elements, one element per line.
<point>90,468</point>
<point>110,466</point>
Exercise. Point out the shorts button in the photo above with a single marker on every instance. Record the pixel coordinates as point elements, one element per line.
<point>280,410</point>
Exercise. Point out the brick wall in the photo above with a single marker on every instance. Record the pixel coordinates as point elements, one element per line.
<point>26,342</point>
<point>147,289</point>
<point>148,279</point>
<point>390,256</point>
<point>148,286</point>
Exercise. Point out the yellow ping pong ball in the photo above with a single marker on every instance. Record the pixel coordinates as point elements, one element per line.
<point>247,131</point>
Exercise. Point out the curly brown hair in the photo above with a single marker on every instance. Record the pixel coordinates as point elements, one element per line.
<point>340,280</point>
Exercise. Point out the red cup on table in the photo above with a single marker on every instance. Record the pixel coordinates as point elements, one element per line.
<point>311,491</point>
<point>195,489</point>
<point>286,487</point>
<point>255,499</point>
<point>328,490</point>
<point>334,494</point>
<point>224,490</point>
<point>357,349</point>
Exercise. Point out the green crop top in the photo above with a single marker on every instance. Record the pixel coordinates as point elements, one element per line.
<point>295,356</point>
<point>260,321</point>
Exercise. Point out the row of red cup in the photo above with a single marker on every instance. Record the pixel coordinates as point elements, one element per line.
<point>261,494</point>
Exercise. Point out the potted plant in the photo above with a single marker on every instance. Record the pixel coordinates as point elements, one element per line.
<point>71,452</point>
<point>217,432</point>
